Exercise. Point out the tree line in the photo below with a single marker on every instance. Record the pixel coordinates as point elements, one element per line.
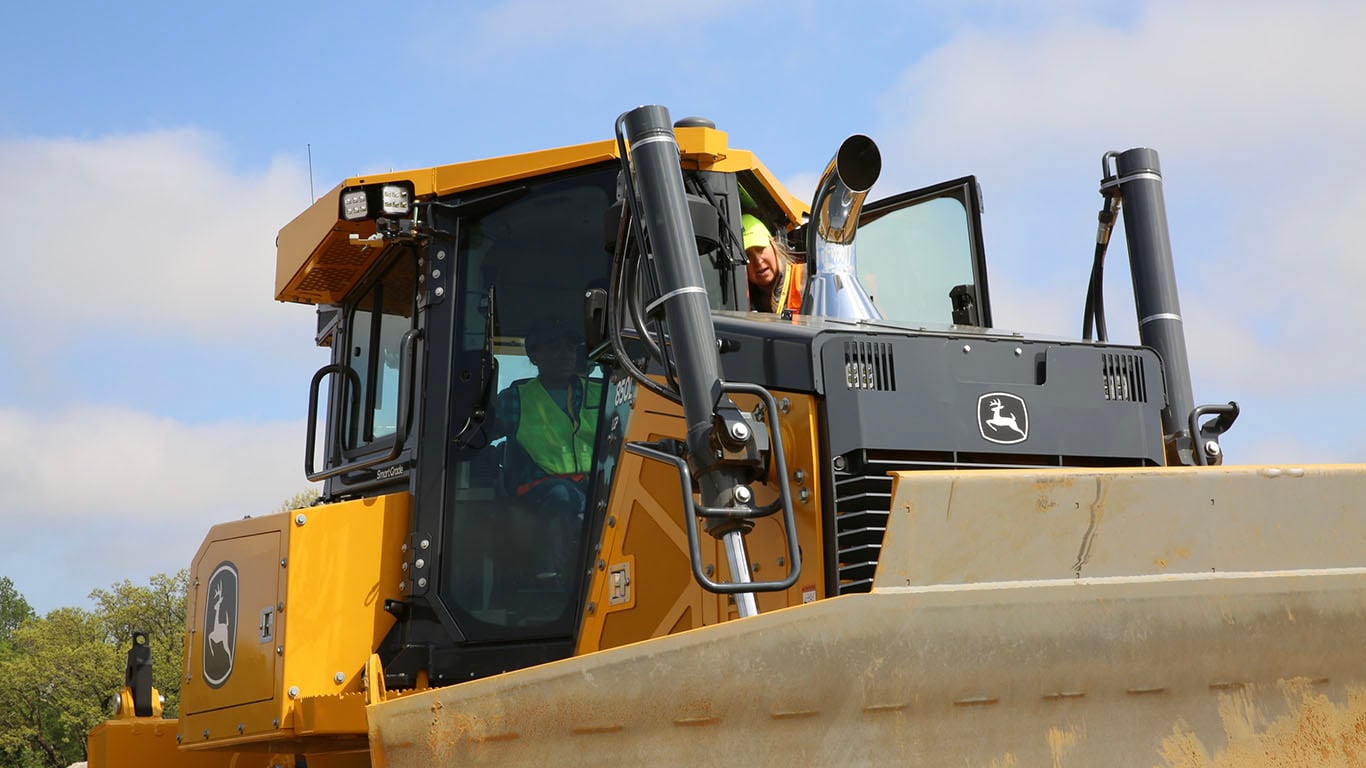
<point>59,672</point>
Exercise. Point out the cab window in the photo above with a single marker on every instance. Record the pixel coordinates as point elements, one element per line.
<point>377,323</point>
<point>920,255</point>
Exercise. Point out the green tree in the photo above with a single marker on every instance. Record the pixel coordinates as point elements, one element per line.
<point>54,683</point>
<point>58,672</point>
<point>157,609</point>
<point>14,609</point>
<point>304,498</point>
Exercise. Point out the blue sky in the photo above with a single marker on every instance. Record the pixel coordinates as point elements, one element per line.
<point>150,386</point>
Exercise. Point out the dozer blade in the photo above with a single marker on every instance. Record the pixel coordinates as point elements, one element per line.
<point>1120,644</point>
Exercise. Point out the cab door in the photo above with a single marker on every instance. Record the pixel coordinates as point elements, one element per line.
<point>920,255</point>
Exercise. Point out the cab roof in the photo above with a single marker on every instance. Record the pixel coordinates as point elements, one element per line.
<point>320,256</point>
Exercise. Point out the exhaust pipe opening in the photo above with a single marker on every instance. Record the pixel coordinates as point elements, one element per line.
<point>832,286</point>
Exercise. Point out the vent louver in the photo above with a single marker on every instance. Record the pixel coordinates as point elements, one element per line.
<point>868,365</point>
<point>1122,378</point>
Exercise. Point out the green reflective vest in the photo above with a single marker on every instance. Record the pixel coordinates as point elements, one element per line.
<point>559,444</point>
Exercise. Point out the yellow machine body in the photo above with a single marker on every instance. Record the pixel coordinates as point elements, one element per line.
<point>312,586</point>
<point>644,541</point>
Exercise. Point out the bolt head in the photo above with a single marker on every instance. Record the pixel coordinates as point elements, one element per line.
<point>293,691</point>
<point>424,543</point>
<point>339,678</point>
<point>300,519</point>
<point>739,430</point>
<point>420,563</point>
<point>1212,448</point>
<point>743,494</point>
<point>421,583</point>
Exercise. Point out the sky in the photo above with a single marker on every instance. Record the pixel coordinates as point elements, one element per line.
<point>151,387</point>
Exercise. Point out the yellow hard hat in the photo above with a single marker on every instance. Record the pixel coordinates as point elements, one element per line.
<point>755,234</point>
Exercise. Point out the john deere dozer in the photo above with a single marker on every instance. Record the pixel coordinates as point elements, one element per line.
<point>879,531</point>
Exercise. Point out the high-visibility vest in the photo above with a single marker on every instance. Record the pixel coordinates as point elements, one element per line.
<point>558,443</point>
<point>790,289</point>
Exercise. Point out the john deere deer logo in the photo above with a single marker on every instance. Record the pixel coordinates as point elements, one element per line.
<point>220,624</point>
<point>1002,418</point>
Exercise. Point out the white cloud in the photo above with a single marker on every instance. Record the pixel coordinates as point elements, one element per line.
<point>1253,107</point>
<point>95,462</point>
<point>108,493</point>
<point>152,231</point>
<point>144,240</point>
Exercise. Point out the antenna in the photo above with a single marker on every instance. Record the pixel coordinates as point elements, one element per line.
<point>311,198</point>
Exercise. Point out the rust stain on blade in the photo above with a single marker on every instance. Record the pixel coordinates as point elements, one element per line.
<point>494,737</point>
<point>590,730</point>
<point>693,722</point>
<point>796,714</point>
<point>1059,741</point>
<point>976,701</point>
<point>1316,732</point>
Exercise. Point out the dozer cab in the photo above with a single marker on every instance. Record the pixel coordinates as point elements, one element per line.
<point>881,531</point>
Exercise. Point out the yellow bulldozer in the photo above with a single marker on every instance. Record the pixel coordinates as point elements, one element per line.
<point>586,501</point>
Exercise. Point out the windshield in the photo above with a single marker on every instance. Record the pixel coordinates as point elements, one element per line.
<point>524,474</point>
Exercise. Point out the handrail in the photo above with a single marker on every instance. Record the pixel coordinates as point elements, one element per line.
<point>407,347</point>
<point>692,510</point>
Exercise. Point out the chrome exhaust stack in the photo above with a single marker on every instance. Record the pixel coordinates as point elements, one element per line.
<point>832,286</point>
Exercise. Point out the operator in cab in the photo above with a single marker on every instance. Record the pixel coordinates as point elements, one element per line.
<point>775,279</point>
<point>551,425</point>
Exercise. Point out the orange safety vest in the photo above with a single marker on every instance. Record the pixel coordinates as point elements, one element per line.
<point>787,299</point>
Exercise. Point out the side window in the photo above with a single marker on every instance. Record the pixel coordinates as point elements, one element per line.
<point>377,324</point>
<point>920,255</point>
